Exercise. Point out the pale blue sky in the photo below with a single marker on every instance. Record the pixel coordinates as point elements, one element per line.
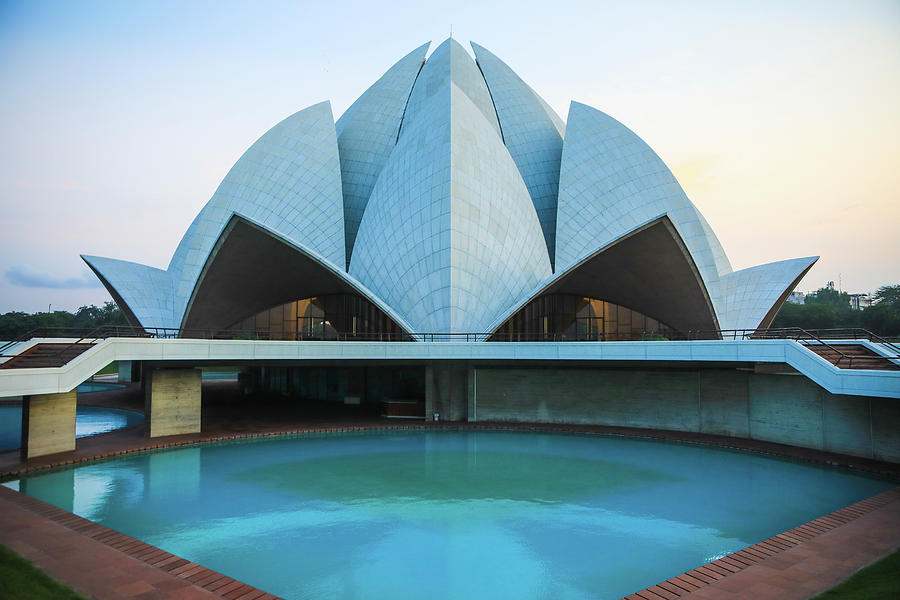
<point>119,119</point>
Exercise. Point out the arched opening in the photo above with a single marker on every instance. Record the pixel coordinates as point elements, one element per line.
<point>573,318</point>
<point>645,282</point>
<point>252,274</point>
<point>326,317</point>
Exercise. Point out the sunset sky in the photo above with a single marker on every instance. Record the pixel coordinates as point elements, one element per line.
<point>118,119</point>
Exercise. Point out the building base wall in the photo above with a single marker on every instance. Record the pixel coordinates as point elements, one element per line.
<point>782,408</point>
<point>48,424</point>
<point>447,391</point>
<point>172,401</point>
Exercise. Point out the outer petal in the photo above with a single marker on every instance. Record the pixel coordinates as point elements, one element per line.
<point>533,134</point>
<point>450,237</point>
<point>290,181</point>
<point>233,286</point>
<point>367,133</point>
<point>753,296</point>
<point>143,293</point>
<point>610,182</point>
<point>648,269</point>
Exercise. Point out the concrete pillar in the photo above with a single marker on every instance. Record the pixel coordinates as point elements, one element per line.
<point>172,401</point>
<point>124,371</point>
<point>48,424</point>
<point>447,391</point>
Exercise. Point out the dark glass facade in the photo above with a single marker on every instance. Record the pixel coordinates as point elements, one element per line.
<point>332,317</point>
<point>568,318</point>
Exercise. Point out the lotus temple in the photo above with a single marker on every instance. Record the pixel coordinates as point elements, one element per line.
<point>450,248</point>
<point>450,198</point>
<point>534,336</point>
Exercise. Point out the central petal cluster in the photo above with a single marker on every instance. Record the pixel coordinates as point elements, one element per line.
<point>450,237</point>
<point>449,195</point>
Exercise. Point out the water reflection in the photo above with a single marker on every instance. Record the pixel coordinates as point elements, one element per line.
<point>450,514</point>
<point>89,420</point>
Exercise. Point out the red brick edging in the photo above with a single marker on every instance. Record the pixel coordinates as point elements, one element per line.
<point>232,589</point>
<point>212,581</point>
<point>692,580</point>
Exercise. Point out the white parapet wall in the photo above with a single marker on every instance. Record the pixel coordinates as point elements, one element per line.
<point>16,382</point>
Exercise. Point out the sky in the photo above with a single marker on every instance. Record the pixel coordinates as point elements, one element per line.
<point>118,120</point>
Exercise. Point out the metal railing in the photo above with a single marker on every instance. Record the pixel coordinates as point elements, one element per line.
<point>819,337</point>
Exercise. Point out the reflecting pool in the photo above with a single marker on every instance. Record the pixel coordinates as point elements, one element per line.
<point>450,514</point>
<point>89,420</point>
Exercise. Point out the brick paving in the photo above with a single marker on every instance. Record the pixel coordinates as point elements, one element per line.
<point>105,564</point>
<point>797,563</point>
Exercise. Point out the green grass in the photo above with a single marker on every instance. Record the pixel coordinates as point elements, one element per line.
<point>21,580</point>
<point>878,581</point>
<point>112,367</point>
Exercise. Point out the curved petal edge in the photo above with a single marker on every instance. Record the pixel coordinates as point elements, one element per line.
<point>610,182</point>
<point>533,134</point>
<point>753,296</point>
<point>288,180</point>
<point>367,133</point>
<point>143,293</point>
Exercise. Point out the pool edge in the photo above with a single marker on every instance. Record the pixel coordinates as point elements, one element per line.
<point>685,584</point>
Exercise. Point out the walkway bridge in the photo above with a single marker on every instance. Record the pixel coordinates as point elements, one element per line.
<point>626,382</point>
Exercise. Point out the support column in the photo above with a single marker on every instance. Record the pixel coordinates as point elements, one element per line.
<point>125,371</point>
<point>447,391</point>
<point>172,401</point>
<point>48,424</point>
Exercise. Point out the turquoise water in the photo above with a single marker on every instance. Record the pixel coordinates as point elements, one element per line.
<point>97,386</point>
<point>450,514</point>
<point>89,420</point>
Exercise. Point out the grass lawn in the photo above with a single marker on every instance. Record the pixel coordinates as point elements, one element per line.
<point>112,367</point>
<point>23,581</point>
<point>878,581</point>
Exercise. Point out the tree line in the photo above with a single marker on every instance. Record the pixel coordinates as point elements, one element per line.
<point>15,324</point>
<point>827,308</point>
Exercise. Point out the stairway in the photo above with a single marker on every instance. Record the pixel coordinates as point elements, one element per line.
<point>45,355</point>
<point>858,357</point>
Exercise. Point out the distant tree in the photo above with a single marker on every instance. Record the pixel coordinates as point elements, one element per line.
<point>882,319</point>
<point>829,297</point>
<point>826,308</point>
<point>91,317</point>
<point>888,294</point>
<point>16,324</point>
<point>806,316</point>
<point>52,320</point>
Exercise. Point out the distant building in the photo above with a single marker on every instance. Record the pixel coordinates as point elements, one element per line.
<point>797,298</point>
<point>860,301</point>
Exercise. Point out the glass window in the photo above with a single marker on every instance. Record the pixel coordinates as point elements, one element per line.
<point>337,316</point>
<point>569,318</point>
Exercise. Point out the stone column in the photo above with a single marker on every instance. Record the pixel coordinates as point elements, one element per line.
<point>447,391</point>
<point>172,401</point>
<point>124,371</point>
<point>48,424</point>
